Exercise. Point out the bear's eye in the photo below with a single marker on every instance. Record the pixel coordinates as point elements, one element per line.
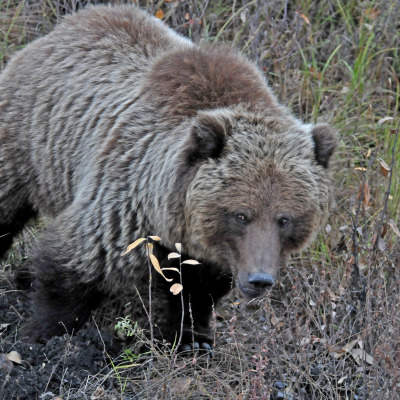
<point>241,218</point>
<point>283,221</point>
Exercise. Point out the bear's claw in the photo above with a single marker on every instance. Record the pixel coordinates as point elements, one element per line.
<point>203,347</point>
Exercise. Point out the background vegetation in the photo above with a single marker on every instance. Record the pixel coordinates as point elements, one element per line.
<point>330,329</point>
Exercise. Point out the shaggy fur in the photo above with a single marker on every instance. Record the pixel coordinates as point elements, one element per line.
<point>117,128</point>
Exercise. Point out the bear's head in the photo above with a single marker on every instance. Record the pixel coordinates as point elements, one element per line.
<point>259,190</point>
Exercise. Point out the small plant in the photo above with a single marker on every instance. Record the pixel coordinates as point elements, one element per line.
<point>175,288</point>
<point>126,327</point>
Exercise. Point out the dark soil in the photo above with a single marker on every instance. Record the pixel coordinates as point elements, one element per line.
<point>46,370</point>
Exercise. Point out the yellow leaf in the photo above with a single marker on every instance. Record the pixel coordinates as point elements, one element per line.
<point>173,255</point>
<point>176,288</point>
<point>178,247</point>
<point>191,262</point>
<point>156,266</point>
<point>155,238</point>
<point>155,263</point>
<point>171,269</point>
<point>159,14</point>
<point>305,18</point>
<point>133,245</point>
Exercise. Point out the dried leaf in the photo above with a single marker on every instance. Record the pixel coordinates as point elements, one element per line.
<point>349,346</point>
<point>372,12</point>
<point>360,169</point>
<point>155,238</point>
<point>332,295</point>
<point>381,244</point>
<point>180,386</point>
<point>305,18</point>
<point>361,355</point>
<point>362,263</point>
<point>173,255</point>
<point>315,73</point>
<point>385,169</point>
<point>394,227</point>
<point>14,357</point>
<point>171,269</point>
<point>384,230</point>
<point>345,349</point>
<point>274,320</point>
<point>133,245</point>
<point>159,14</point>
<point>176,288</point>
<point>328,228</point>
<point>156,266</point>
<point>178,247</point>
<point>191,262</point>
<point>305,341</point>
<point>382,120</point>
<point>341,380</point>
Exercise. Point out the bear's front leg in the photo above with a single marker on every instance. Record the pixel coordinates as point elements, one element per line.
<point>67,272</point>
<point>58,306</point>
<point>203,287</point>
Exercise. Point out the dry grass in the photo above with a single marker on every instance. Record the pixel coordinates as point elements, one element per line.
<point>330,330</point>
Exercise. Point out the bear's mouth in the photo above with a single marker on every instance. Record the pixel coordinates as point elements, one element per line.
<point>251,292</point>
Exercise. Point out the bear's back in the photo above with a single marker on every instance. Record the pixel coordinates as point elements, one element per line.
<point>62,96</point>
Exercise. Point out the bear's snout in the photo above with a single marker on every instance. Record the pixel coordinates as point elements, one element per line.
<point>261,280</point>
<point>257,284</point>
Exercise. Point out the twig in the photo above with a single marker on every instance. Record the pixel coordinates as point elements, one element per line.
<point>358,286</point>
<point>150,314</point>
<point>150,317</point>
<point>389,188</point>
<point>182,304</point>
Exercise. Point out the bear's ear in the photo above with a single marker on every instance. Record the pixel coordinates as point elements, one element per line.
<point>208,137</point>
<point>325,141</point>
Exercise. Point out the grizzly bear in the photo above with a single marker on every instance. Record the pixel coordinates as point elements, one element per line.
<point>113,127</point>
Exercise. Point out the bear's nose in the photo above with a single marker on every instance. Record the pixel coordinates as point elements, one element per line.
<point>261,280</point>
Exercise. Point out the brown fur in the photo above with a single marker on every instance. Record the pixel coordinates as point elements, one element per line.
<point>196,79</point>
<point>115,128</point>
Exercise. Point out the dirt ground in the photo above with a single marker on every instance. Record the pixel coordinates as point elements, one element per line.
<point>44,371</point>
